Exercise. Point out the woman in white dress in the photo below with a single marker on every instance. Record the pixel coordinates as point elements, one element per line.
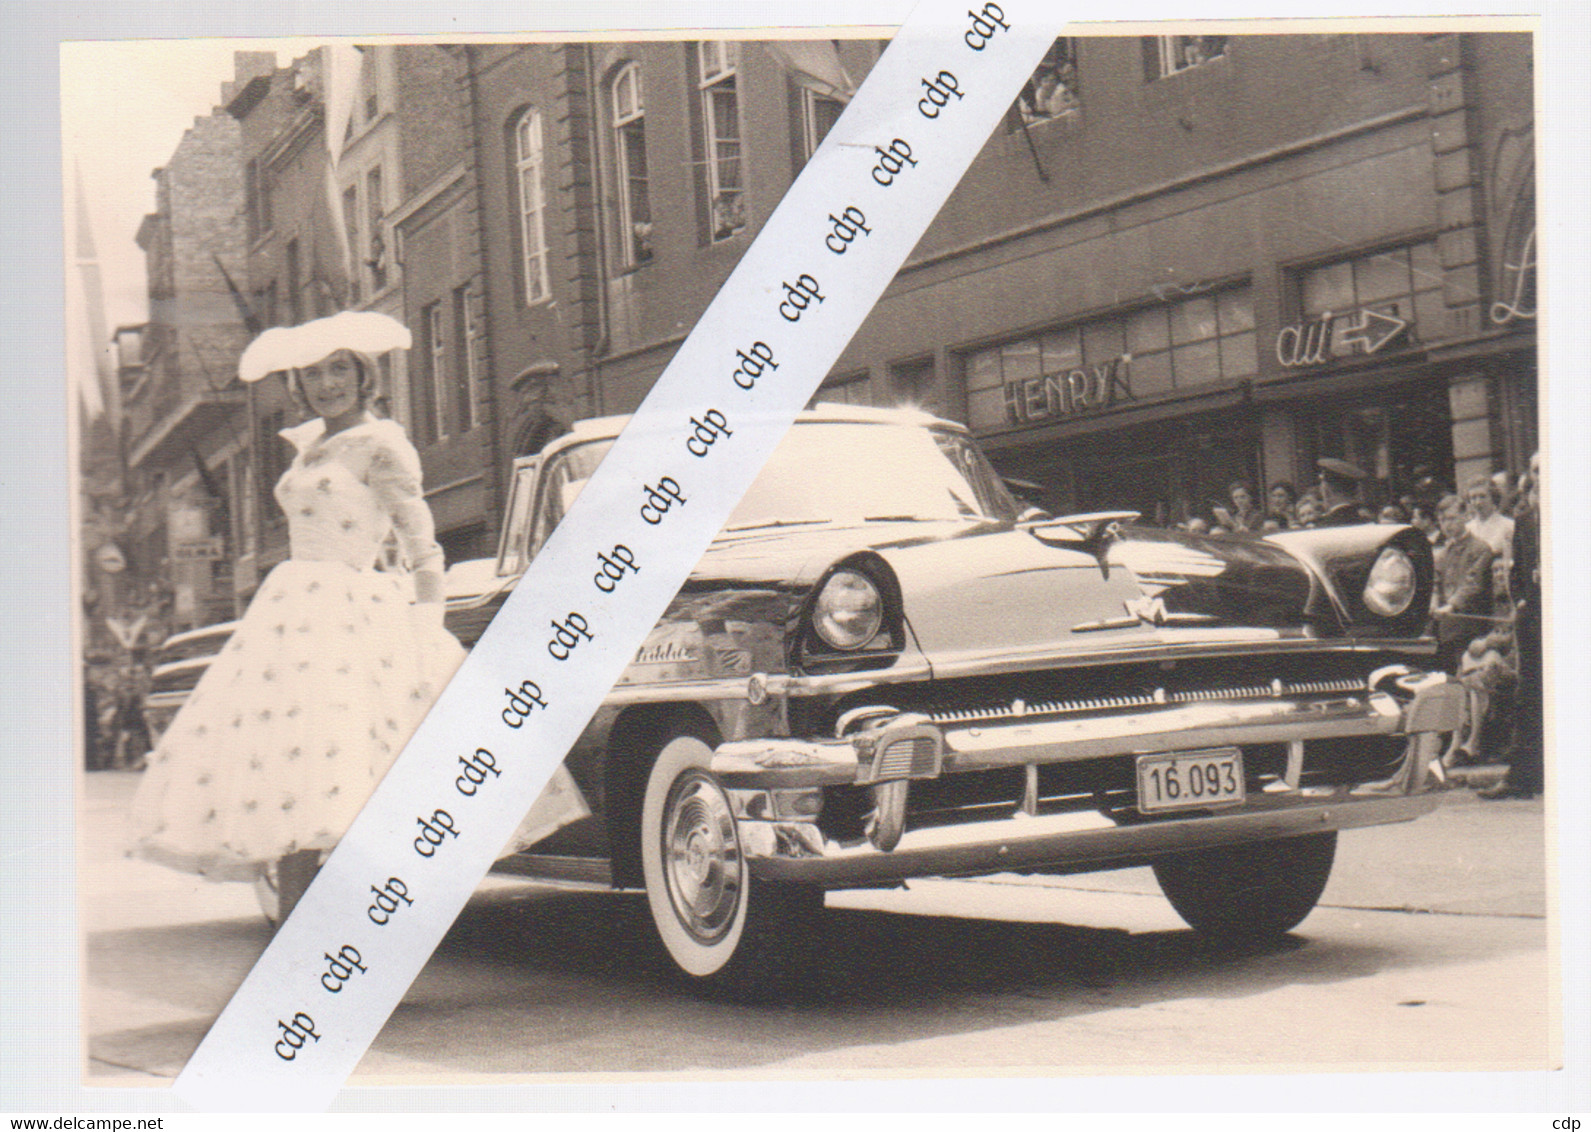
<point>334,664</point>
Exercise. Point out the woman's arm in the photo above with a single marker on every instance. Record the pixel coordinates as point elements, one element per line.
<point>395,477</point>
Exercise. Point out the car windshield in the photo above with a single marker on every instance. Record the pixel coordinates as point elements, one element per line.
<point>826,472</point>
<point>846,472</point>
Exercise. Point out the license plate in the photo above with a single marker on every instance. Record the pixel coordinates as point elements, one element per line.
<point>1190,780</point>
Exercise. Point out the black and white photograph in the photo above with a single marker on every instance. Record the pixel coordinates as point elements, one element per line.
<point>1131,662</point>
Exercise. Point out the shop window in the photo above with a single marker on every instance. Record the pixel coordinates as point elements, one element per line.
<point>1399,436</point>
<point>1052,91</point>
<point>1094,365</point>
<point>629,146</point>
<point>1171,54</point>
<point>529,161</point>
<point>1363,301</point>
<point>719,109</point>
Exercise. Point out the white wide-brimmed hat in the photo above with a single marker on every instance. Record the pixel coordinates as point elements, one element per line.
<point>291,347</point>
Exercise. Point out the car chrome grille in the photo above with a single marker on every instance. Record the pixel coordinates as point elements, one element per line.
<point>1022,709</point>
<point>908,758</point>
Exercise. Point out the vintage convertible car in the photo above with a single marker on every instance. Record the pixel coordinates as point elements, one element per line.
<point>883,669</point>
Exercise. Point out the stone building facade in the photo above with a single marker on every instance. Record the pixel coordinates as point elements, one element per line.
<point>1181,261</point>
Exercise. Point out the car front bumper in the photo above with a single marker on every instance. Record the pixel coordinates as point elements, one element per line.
<point>775,784</point>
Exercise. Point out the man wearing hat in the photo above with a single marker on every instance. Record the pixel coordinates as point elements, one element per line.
<point>1339,489</point>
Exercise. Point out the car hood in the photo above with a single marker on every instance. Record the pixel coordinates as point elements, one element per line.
<point>1022,594</point>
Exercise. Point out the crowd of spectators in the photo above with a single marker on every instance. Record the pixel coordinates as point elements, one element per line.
<point>1486,605</point>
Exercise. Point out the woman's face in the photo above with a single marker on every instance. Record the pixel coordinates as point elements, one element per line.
<point>331,385</point>
<point>1481,502</point>
<point>1241,499</point>
<point>1279,500</point>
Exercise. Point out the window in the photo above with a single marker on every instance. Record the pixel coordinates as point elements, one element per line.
<point>819,112</point>
<point>1052,91</point>
<point>844,389</point>
<point>720,122</point>
<point>426,398</point>
<point>375,215</point>
<point>464,329</point>
<point>436,357</point>
<point>912,383</point>
<point>528,161</point>
<point>1365,299</point>
<point>1169,54</point>
<point>1091,366</point>
<point>351,228</point>
<point>1196,341</point>
<point>629,146</point>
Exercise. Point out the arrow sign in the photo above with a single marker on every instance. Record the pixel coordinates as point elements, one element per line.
<point>1373,331</point>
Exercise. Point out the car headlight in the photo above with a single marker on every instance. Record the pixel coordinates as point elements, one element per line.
<point>849,610</point>
<point>1392,583</point>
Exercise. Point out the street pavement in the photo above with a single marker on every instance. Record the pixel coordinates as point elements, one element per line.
<point>1429,951</point>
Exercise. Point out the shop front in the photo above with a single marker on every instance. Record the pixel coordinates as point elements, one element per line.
<point>1163,408</point>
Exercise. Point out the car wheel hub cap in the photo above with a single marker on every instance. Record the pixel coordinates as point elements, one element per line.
<point>701,858</point>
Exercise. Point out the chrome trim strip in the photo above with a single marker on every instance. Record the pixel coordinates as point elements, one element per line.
<point>1184,727</point>
<point>991,663</point>
<point>1162,645</point>
<point>785,763</point>
<point>1022,709</point>
<point>1064,843</point>
<point>777,684</point>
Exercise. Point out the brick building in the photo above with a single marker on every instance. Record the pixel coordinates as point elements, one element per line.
<point>182,411</point>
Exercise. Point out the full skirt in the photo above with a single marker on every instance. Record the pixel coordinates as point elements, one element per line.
<point>293,724</point>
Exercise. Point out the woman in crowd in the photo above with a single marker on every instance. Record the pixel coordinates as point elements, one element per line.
<point>1487,522</point>
<point>1243,514</point>
<point>1283,504</point>
<point>334,663</point>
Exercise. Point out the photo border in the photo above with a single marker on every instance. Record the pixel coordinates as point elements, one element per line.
<point>43,1059</point>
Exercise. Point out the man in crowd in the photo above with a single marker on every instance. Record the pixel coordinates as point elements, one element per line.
<point>1463,585</point>
<point>1339,490</point>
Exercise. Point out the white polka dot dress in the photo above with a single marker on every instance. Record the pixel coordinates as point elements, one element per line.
<point>327,675</point>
